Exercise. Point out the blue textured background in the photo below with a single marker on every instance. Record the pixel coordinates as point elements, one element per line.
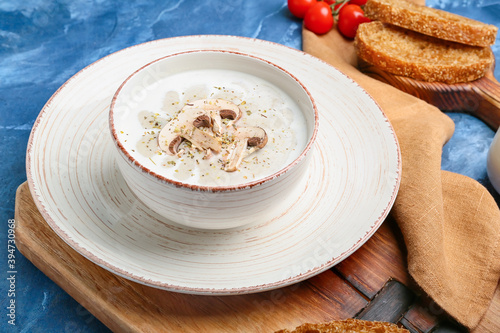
<point>44,42</point>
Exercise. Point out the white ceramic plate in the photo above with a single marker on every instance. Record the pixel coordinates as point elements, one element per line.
<point>350,187</point>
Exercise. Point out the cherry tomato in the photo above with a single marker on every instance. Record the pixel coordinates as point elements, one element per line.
<point>319,18</point>
<point>299,8</point>
<point>330,2</point>
<point>358,2</point>
<point>350,17</point>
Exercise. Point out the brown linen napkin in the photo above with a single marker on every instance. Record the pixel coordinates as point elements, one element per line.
<point>450,223</point>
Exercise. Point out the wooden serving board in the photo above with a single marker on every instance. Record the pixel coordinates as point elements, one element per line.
<point>371,284</point>
<point>480,98</point>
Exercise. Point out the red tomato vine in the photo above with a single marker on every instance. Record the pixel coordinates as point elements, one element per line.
<point>320,15</point>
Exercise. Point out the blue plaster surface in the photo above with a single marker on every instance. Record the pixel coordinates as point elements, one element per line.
<point>44,42</point>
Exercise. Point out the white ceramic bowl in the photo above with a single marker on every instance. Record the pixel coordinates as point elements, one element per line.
<point>166,84</point>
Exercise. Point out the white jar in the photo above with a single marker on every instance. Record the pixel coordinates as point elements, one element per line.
<point>493,162</point>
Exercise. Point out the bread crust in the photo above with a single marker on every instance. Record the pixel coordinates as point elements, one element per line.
<point>347,326</point>
<point>432,22</point>
<point>408,53</point>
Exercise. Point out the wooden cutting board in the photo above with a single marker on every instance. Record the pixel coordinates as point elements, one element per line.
<point>480,98</point>
<point>371,284</point>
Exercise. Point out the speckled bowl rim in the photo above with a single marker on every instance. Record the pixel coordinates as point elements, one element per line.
<point>225,188</point>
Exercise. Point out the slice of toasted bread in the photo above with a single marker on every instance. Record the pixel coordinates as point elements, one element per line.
<point>432,22</point>
<point>408,53</point>
<point>347,326</point>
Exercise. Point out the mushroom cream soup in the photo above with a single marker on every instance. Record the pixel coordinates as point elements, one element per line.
<point>262,105</point>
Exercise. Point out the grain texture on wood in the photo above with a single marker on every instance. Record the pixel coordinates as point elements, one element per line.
<point>126,306</point>
<point>425,317</point>
<point>390,304</point>
<point>480,98</point>
<point>382,257</point>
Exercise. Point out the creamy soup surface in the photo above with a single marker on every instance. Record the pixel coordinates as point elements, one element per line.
<point>262,104</point>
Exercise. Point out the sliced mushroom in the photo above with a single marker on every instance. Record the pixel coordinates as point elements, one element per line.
<point>204,140</point>
<point>203,121</point>
<point>185,126</point>
<point>218,109</point>
<point>201,113</point>
<point>244,137</point>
